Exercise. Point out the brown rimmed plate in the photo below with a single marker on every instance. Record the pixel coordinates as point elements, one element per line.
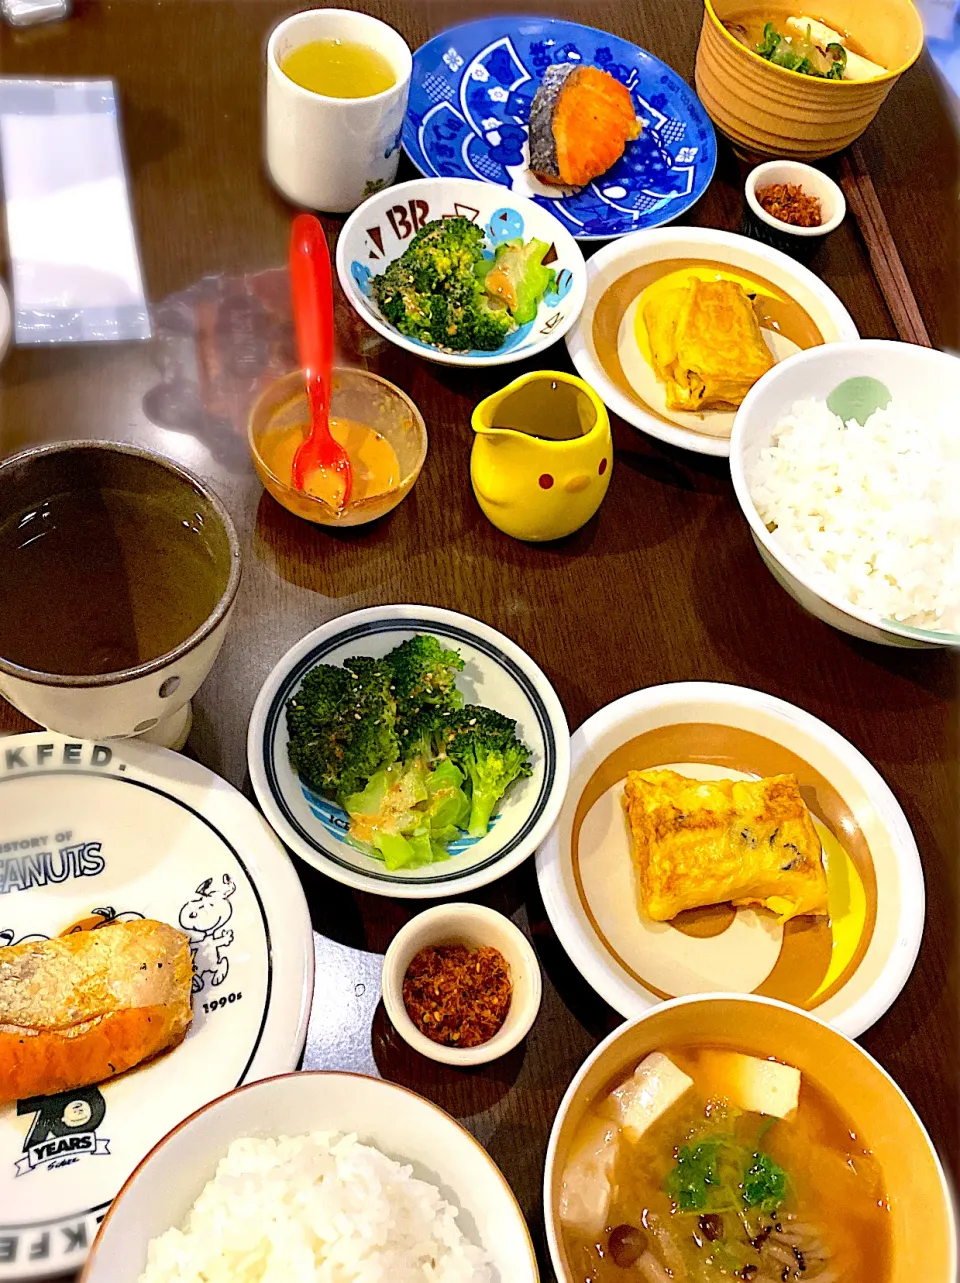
<point>847,968</point>
<point>795,309</point>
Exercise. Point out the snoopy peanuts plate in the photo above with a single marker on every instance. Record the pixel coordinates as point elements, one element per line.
<point>90,833</point>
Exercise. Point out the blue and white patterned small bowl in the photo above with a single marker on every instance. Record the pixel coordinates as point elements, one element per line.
<point>380,230</point>
<point>497,674</point>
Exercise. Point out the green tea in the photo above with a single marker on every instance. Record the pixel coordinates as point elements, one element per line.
<point>98,580</point>
<point>339,69</point>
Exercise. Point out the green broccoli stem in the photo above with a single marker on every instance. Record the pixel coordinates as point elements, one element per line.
<point>482,804</point>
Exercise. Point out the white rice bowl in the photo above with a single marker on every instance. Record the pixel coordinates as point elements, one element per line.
<point>869,512</point>
<point>320,1208</point>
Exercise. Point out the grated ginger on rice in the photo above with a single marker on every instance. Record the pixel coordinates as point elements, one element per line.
<point>870,512</point>
<point>320,1208</point>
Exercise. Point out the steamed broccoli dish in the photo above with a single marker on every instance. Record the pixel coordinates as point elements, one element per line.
<point>446,291</point>
<point>392,741</point>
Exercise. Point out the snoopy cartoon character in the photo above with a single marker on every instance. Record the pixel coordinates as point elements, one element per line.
<point>9,936</point>
<point>203,918</point>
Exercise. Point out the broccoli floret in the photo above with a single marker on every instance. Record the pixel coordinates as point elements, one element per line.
<point>465,320</point>
<point>492,323</point>
<point>342,726</point>
<point>484,744</point>
<point>424,675</point>
<point>446,247</point>
<point>432,292</point>
<point>420,732</point>
<point>400,301</point>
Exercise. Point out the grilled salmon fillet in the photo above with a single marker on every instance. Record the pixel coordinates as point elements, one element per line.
<point>701,842</point>
<point>581,120</point>
<point>83,1007</point>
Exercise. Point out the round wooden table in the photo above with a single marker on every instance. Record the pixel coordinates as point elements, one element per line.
<point>663,585</point>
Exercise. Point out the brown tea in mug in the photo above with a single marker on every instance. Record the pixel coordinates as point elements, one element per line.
<point>100,579</point>
<point>554,411</point>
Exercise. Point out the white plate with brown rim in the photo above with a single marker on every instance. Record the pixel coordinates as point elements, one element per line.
<point>608,343</point>
<point>93,833</point>
<point>846,968</point>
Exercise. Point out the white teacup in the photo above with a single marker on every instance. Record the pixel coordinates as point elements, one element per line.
<point>152,698</point>
<point>332,153</point>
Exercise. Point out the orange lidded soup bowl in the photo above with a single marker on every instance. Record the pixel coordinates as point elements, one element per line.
<point>767,111</point>
<point>922,1219</point>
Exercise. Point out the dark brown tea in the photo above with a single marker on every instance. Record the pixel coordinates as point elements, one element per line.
<point>97,580</point>
<point>554,411</point>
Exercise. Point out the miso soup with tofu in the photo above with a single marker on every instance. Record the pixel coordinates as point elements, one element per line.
<point>707,1164</point>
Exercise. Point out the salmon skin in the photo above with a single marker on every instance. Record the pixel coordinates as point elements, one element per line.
<point>580,123</point>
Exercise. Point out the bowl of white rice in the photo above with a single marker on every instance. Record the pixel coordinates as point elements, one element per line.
<point>315,1176</point>
<point>846,462</point>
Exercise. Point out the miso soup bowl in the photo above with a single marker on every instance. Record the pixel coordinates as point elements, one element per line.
<point>921,1205</point>
<point>152,699</point>
<point>767,111</point>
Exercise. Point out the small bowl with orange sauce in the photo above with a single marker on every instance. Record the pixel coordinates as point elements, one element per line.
<point>378,425</point>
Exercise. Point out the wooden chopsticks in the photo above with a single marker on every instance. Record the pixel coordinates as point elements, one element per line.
<point>862,199</point>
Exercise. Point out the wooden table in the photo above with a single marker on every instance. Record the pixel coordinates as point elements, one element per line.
<point>664,585</point>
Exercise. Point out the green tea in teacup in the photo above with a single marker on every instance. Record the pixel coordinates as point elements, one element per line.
<point>339,69</point>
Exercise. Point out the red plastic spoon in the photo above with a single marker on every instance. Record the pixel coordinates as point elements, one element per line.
<point>313,314</point>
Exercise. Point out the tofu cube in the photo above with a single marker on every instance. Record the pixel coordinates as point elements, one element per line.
<point>820,33</point>
<point>759,1086</point>
<point>587,1186</point>
<point>655,1086</point>
<point>857,68</point>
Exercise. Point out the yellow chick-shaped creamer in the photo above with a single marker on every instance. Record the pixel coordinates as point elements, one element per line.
<point>542,455</point>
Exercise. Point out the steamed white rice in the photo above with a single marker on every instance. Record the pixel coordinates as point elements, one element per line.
<point>315,1209</point>
<point>871,513</point>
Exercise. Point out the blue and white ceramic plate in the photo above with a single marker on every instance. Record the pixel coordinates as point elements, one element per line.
<point>383,226</point>
<point>497,674</point>
<point>470,97</point>
<point>92,834</point>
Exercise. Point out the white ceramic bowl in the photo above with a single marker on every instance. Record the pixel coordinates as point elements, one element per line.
<point>6,324</point>
<point>811,181</point>
<point>922,1216</point>
<point>380,230</point>
<point>847,969</point>
<point>497,674</point>
<point>618,258</point>
<point>472,925</point>
<point>404,1126</point>
<point>923,378</point>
